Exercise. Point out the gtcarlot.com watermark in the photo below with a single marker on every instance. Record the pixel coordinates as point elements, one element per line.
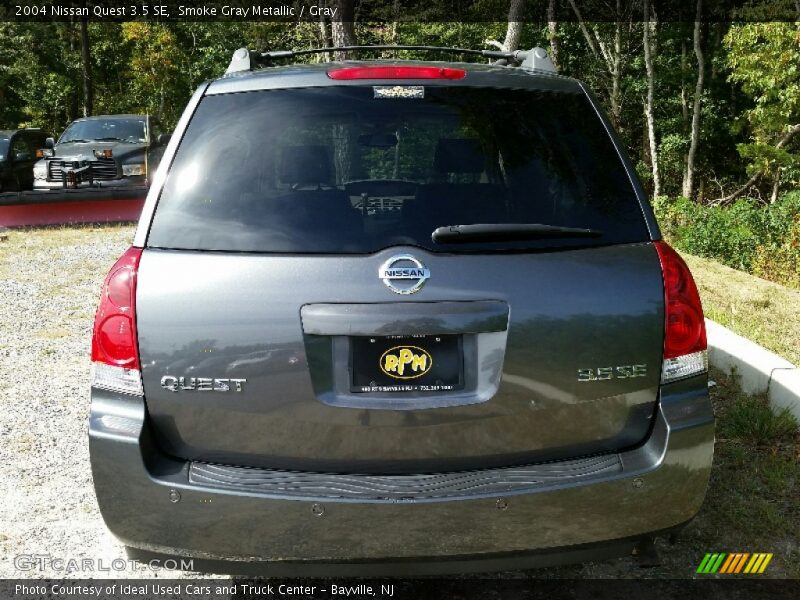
<point>48,562</point>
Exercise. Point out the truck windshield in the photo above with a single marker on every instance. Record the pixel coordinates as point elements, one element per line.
<point>123,130</point>
<point>352,170</point>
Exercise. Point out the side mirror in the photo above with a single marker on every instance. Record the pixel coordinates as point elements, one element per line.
<point>22,156</point>
<point>163,139</point>
<point>50,143</point>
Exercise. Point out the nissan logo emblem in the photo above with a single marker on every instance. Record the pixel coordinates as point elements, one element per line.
<point>404,274</point>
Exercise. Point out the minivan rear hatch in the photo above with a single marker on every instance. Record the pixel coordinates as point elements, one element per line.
<point>295,309</point>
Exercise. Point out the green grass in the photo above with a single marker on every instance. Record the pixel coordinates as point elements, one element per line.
<point>751,419</point>
<point>764,312</point>
<point>752,503</point>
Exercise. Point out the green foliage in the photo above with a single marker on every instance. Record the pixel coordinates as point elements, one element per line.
<point>764,58</point>
<point>762,240</point>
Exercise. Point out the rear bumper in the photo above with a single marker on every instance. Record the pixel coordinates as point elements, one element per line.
<point>152,504</point>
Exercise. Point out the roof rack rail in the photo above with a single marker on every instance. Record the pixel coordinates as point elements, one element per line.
<point>535,58</point>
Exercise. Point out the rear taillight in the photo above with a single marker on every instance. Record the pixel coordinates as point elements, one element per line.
<point>684,328</point>
<point>397,72</point>
<point>115,352</point>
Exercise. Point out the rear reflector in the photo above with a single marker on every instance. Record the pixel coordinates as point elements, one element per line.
<point>115,352</point>
<point>402,72</point>
<point>683,366</point>
<point>684,327</point>
<point>117,379</point>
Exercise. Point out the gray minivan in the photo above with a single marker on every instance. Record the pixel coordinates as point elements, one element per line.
<point>401,317</point>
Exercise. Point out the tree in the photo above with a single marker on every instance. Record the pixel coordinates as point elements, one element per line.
<point>326,41</point>
<point>513,29</point>
<point>346,152</point>
<point>158,79</point>
<point>688,180</point>
<point>342,28</point>
<point>651,122</point>
<point>86,68</point>
<point>609,53</point>
<point>552,33</point>
<point>764,59</point>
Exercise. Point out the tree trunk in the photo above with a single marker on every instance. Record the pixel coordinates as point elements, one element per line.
<point>342,28</point>
<point>648,107</point>
<point>688,181</point>
<point>162,100</point>
<point>717,28</point>
<point>86,67</point>
<point>776,184</point>
<point>611,58</point>
<point>346,153</point>
<point>396,169</point>
<point>552,29</point>
<point>514,30</point>
<point>616,71</point>
<point>684,99</point>
<point>346,150</point>
<point>324,37</point>
<point>323,28</point>
<point>395,19</point>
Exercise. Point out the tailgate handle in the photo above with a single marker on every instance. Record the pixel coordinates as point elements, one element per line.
<point>405,318</point>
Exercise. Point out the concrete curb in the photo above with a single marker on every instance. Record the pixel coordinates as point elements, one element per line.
<point>760,370</point>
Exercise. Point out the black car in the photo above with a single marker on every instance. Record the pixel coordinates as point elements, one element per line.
<point>103,151</point>
<point>17,154</point>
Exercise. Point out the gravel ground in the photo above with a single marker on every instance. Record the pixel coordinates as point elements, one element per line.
<point>49,283</point>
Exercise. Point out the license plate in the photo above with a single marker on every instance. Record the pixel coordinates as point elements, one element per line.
<point>424,363</point>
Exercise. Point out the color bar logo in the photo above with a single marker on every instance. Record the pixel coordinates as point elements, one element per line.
<point>736,562</point>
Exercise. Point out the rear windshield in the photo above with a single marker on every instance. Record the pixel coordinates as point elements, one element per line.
<point>357,169</point>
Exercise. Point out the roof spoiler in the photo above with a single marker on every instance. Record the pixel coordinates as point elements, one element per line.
<point>535,59</point>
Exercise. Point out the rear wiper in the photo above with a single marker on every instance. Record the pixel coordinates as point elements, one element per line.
<point>454,234</point>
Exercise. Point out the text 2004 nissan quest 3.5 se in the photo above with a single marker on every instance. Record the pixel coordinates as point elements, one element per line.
<point>401,317</point>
